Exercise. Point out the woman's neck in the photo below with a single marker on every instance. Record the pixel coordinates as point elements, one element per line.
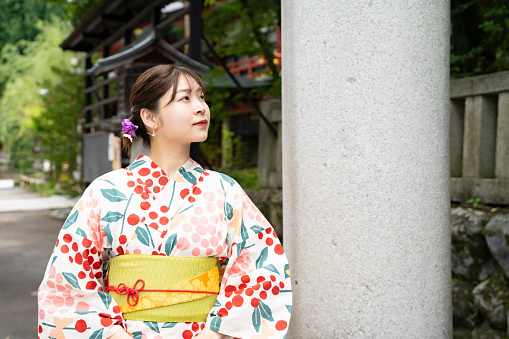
<point>169,158</point>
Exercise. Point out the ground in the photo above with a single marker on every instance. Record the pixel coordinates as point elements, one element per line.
<point>27,240</point>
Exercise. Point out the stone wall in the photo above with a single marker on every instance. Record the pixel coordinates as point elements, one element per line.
<point>480,268</point>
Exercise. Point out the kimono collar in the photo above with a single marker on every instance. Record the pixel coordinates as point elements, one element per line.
<point>189,172</point>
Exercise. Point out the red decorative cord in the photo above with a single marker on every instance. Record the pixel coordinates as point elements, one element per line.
<point>132,292</point>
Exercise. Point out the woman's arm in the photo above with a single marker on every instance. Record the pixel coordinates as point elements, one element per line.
<point>121,334</point>
<point>208,334</point>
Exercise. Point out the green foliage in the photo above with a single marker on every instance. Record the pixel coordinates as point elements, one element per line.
<point>20,23</point>
<point>475,202</point>
<point>75,10</point>
<point>246,177</point>
<point>30,67</point>
<point>480,37</point>
<point>240,29</point>
<point>56,126</point>
<point>226,147</point>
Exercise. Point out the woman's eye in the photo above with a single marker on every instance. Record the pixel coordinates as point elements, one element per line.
<point>184,98</point>
<point>202,97</point>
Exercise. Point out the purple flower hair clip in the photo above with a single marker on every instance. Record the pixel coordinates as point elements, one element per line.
<point>129,129</point>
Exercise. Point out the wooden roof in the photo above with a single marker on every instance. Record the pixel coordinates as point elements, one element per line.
<point>152,49</point>
<point>110,19</point>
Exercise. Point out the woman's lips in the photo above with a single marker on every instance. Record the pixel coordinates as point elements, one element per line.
<point>202,123</point>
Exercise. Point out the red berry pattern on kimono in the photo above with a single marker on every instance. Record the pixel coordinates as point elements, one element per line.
<point>140,210</point>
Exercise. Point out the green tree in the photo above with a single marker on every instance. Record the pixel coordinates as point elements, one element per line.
<point>56,126</point>
<point>480,37</point>
<point>29,72</point>
<point>75,10</point>
<point>241,28</point>
<point>19,24</point>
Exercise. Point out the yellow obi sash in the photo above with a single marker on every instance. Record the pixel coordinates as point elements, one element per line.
<point>163,288</point>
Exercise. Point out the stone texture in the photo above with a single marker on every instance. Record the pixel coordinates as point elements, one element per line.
<point>490,191</point>
<point>479,85</point>
<point>470,256</point>
<point>492,299</point>
<point>486,332</point>
<point>497,237</point>
<point>463,310</point>
<point>502,150</point>
<point>479,137</point>
<point>462,333</point>
<point>366,167</point>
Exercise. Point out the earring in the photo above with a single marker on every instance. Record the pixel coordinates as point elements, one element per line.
<point>154,132</point>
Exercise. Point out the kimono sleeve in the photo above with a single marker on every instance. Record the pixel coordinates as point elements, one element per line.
<point>71,297</point>
<point>255,297</point>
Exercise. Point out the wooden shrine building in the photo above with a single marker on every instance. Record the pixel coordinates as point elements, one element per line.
<point>130,36</point>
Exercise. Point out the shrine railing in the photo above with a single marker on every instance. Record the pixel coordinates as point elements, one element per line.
<point>479,138</point>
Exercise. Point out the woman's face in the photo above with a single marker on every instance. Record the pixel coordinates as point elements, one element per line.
<point>186,119</point>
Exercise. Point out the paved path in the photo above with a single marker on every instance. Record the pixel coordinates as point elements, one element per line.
<point>27,237</point>
<point>15,199</point>
<point>26,242</point>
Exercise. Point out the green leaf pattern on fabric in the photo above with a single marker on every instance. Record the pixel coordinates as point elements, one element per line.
<point>113,194</point>
<point>106,298</point>
<point>188,176</point>
<point>256,318</point>
<point>265,311</point>
<point>153,325</point>
<point>169,325</point>
<point>170,244</point>
<point>257,229</point>
<point>228,211</point>
<point>71,220</point>
<point>261,259</point>
<point>80,232</point>
<point>228,179</point>
<point>136,164</point>
<point>107,231</point>
<point>97,334</point>
<point>112,216</point>
<point>271,268</point>
<point>215,324</point>
<point>143,236</point>
<point>71,279</point>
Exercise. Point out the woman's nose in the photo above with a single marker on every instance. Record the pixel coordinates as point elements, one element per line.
<point>200,107</point>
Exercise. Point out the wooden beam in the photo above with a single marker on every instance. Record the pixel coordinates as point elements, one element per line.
<point>119,32</point>
<point>100,103</point>
<point>99,85</point>
<point>126,16</point>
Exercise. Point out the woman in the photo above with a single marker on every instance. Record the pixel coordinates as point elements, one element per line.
<point>138,255</point>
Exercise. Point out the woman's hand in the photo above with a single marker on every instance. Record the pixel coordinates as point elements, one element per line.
<point>209,334</point>
<point>121,334</point>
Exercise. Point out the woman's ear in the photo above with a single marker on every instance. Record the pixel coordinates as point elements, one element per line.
<point>149,119</point>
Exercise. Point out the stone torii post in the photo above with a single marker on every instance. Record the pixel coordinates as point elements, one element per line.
<point>366,167</point>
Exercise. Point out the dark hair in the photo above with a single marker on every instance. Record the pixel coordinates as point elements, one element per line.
<point>147,91</point>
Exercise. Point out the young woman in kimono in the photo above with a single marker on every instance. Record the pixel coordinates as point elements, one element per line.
<point>138,255</point>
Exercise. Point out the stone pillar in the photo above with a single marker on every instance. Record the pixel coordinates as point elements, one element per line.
<point>480,131</point>
<point>366,167</point>
<point>502,150</point>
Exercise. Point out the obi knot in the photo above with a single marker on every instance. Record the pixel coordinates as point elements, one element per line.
<point>132,292</point>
